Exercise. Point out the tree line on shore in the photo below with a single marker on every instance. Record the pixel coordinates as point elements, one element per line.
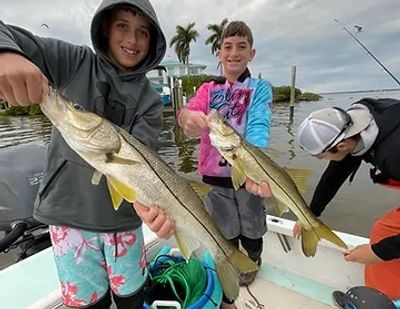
<point>281,94</point>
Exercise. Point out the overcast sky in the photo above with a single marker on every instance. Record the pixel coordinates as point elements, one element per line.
<point>286,32</point>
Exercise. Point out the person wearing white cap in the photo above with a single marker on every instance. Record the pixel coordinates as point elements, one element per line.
<point>369,131</point>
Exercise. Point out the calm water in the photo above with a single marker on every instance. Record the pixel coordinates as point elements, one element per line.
<point>354,208</point>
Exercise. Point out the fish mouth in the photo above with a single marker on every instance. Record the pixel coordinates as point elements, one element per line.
<point>227,148</point>
<point>51,107</point>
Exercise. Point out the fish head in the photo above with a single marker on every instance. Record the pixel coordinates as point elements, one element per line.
<point>222,136</point>
<point>82,130</point>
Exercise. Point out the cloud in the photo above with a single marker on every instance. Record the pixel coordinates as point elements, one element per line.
<point>300,32</point>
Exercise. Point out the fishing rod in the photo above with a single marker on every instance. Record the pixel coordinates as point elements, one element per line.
<point>366,49</point>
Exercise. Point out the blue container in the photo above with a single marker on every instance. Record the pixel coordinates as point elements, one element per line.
<point>213,288</point>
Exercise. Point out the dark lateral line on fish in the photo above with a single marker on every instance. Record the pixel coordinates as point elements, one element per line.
<point>261,165</point>
<point>162,180</point>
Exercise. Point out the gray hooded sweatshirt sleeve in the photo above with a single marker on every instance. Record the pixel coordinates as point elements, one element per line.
<point>66,195</point>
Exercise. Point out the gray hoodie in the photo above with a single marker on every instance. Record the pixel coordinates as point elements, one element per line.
<point>66,195</point>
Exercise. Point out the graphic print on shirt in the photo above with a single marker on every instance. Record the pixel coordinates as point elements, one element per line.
<point>231,102</point>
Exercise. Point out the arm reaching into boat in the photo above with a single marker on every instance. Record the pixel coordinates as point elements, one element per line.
<point>362,254</point>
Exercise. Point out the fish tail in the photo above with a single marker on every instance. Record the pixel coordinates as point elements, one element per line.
<point>229,278</point>
<point>229,269</point>
<point>310,238</point>
<point>330,236</point>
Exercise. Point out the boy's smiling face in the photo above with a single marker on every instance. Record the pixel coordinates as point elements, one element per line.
<point>235,54</point>
<point>128,38</point>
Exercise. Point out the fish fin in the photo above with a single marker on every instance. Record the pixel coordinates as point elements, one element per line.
<point>300,177</point>
<point>114,158</point>
<point>229,278</point>
<point>229,270</point>
<point>329,235</point>
<point>274,154</point>
<point>116,198</point>
<point>242,262</point>
<point>309,241</point>
<point>280,208</point>
<point>186,244</point>
<point>96,177</point>
<point>237,174</point>
<point>201,188</point>
<point>311,237</point>
<point>128,193</point>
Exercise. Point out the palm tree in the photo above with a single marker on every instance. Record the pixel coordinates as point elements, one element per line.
<point>182,40</point>
<point>215,38</point>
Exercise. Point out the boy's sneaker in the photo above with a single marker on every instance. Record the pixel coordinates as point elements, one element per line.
<point>247,278</point>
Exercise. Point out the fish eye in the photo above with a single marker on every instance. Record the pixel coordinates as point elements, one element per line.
<point>77,107</point>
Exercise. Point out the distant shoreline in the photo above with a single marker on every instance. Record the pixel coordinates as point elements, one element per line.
<point>359,91</point>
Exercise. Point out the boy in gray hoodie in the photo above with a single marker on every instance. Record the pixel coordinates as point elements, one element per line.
<point>97,249</point>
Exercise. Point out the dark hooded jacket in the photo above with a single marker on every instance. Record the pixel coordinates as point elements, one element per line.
<point>66,195</point>
<point>383,155</point>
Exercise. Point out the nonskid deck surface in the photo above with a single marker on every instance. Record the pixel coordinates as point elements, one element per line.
<point>273,296</point>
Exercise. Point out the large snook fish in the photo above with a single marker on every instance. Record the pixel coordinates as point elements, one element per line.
<point>136,173</point>
<point>249,161</point>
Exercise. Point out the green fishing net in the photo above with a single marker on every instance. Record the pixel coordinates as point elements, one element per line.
<point>172,278</point>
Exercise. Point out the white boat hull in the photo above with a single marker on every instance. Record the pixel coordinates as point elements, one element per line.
<point>286,279</point>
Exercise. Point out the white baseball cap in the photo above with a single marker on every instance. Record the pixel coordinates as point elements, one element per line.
<point>325,128</point>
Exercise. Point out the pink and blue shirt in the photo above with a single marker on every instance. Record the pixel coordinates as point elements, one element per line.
<point>246,105</point>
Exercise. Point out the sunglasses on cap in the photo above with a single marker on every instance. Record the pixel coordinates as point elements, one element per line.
<point>348,123</point>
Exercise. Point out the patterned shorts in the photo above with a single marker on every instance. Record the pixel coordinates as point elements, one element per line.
<point>89,263</point>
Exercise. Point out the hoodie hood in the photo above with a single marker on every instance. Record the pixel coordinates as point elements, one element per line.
<point>100,41</point>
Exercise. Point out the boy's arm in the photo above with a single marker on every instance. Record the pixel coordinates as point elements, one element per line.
<point>259,115</point>
<point>192,117</point>
<point>56,60</point>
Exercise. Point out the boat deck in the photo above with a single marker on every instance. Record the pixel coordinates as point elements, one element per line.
<point>273,296</point>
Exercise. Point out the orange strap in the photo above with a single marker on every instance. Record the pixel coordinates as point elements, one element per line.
<point>381,179</point>
<point>385,276</point>
<point>393,184</point>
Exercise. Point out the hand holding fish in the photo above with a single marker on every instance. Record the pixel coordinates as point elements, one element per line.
<point>261,189</point>
<point>193,123</point>
<point>156,219</point>
<point>21,82</point>
<point>362,254</point>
